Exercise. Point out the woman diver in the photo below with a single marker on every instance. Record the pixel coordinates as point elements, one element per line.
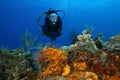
<point>52,24</point>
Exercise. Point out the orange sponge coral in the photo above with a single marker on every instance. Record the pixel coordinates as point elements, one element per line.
<point>82,76</point>
<point>52,61</point>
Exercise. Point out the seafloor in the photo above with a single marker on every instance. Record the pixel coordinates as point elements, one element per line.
<point>83,59</point>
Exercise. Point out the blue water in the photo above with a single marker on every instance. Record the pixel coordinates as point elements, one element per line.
<point>18,15</point>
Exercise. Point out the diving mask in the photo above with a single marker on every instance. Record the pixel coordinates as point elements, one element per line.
<point>53,18</point>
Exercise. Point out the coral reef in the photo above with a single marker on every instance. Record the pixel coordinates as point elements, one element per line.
<point>52,62</point>
<point>85,41</point>
<point>15,65</point>
<point>85,59</point>
<point>113,43</point>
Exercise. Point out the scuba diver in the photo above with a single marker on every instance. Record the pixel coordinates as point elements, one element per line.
<point>52,24</point>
